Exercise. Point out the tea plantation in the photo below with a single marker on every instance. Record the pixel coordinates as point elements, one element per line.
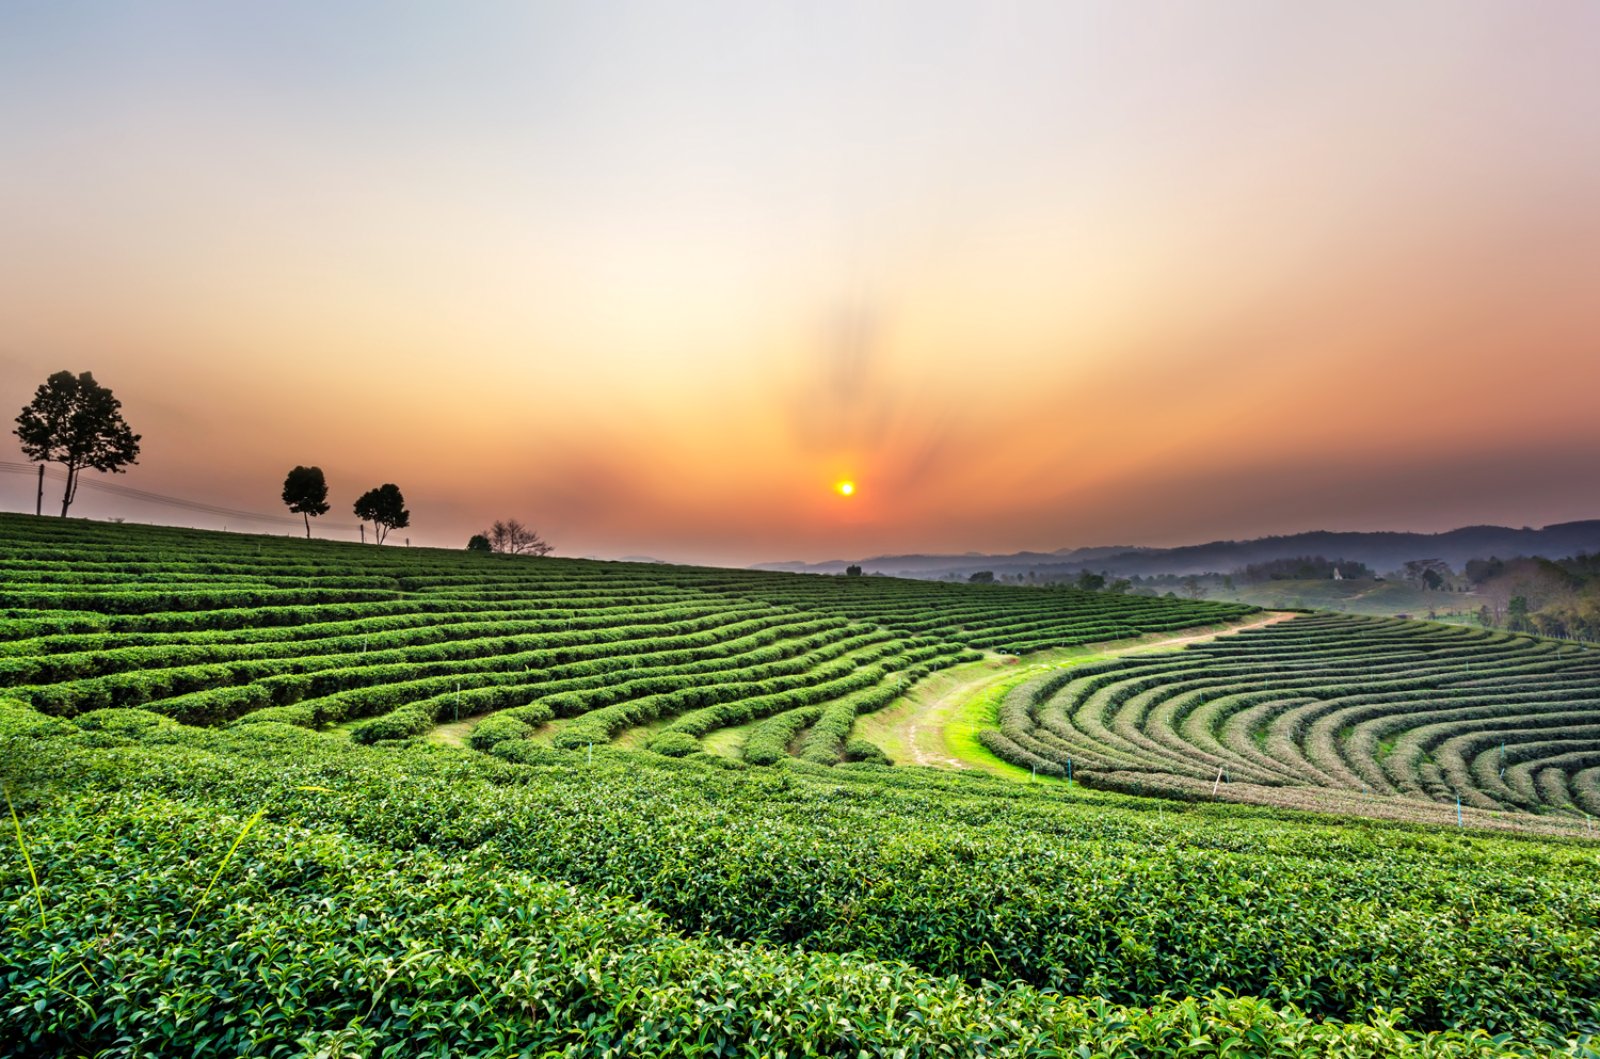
<point>1392,710</point>
<point>235,834</point>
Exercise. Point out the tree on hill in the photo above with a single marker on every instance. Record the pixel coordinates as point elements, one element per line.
<point>479,543</point>
<point>385,508</point>
<point>513,538</point>
<point>305,490</point>
<point>853,570</point>
<point>982,577</point>
<point>76,422</point>
<point>1089,582</point>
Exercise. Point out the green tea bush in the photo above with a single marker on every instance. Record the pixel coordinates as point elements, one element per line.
<point>254,882</point>
<point>864,750</point>
<point>312,946</point>
<point>404,723</point>
<point>498,729</point>
<point>674,744</point>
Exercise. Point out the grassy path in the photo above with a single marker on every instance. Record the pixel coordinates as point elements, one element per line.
<point>938,721</point>
<point>454,733</point>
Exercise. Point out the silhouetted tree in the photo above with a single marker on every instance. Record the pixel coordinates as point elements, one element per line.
<point>982,577</point>
<point>76,422</point>
<point>852,570</point>
<point>305,490</point>
<point>479,543</point>
<point>513,538</point>
<point>385,508</point>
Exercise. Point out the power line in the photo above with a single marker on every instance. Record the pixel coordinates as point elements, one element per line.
<point>199,507</point>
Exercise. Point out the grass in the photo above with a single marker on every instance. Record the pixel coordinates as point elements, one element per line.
<point>227,857</point>
<point>727,742</point>
<point>33,874</point>
<point>976,714</point>
<point>453,733</point>
<point>895,728</point>
<point>636,737</point>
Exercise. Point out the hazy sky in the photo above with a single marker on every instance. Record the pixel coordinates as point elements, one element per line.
<point>654,277</point>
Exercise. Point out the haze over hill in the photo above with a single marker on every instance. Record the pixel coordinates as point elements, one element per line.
<point>1382,551</point>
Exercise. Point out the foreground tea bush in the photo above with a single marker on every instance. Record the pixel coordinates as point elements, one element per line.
<point>965,881</point>
<point>325,946</point>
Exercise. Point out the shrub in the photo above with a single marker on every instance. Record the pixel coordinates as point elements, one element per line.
<point>674,744</point>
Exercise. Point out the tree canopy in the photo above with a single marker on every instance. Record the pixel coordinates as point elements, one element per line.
<point>76,422</point>
<point>305,490</point>
<point>385,508</point>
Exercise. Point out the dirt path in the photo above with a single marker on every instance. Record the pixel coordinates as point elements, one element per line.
<point>916,726</point>
<point>1272,618</point>
<point>925,734</point>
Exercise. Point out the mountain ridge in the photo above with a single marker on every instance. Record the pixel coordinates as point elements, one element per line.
<point>1383,550</point>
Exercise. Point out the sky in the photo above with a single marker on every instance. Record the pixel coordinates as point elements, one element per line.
<point>655,278</point>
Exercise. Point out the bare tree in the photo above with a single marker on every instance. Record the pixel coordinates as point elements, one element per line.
<point>513,538</point>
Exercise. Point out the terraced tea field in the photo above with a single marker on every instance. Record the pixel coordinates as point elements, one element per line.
<point>1370,715</point>
<point>238,831</point>
<point>209,629</point>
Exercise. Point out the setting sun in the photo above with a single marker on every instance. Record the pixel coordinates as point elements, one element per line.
<point>846,488</point>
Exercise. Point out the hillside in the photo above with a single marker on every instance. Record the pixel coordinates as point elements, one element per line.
<point>1375,716</point>
<point>214,628</point>
<point>1356,596</point>
<point>236,833</point>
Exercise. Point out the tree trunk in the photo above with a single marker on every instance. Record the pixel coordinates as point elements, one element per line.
<point>307,516</point>
<point>72,484</point>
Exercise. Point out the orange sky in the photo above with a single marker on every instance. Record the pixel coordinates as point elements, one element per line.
<point>653,280</point>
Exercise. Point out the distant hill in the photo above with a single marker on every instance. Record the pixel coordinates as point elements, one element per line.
<point>1382,551</point>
